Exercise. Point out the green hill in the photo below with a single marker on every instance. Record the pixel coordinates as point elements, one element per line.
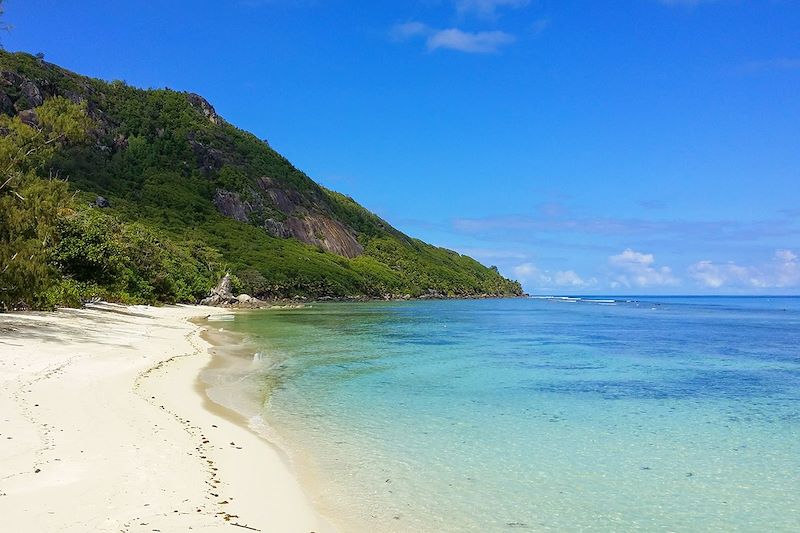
<point>167,195</point>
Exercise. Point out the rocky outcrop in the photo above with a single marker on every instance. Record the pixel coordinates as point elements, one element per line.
<point>33,96</point>
<point>9,78</point>
<point>284,200</point>
<point>307,220</point>
<point>6,105</point>
<point>22,93</point>
<point>232,206</point>
<point>325,232</point>
<point>306,224</point>
<point>276,228</point>
<point>208,159</point>
<point>221,294</point>
<point>198,102</point>
<point>29,117</point>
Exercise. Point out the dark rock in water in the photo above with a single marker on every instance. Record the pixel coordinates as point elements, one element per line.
<point>102,202</point>
<point>221,294</point>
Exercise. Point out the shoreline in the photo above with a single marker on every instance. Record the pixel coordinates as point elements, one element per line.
<point>299,302</point>
<point>227,386</point>
<point>105,428</point>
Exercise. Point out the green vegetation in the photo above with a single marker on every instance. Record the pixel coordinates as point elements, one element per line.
<point>164,160</point>
<point>31,205</point>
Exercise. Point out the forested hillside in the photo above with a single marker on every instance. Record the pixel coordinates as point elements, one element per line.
<point>149,196</point>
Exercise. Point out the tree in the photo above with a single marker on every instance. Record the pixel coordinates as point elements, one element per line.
<point>32,199</point>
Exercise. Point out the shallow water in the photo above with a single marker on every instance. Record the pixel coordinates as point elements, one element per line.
<point>670,414</point>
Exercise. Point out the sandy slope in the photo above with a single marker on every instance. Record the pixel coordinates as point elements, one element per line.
<point>102,428</point>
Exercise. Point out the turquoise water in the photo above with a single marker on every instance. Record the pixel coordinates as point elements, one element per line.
<point>664,414</point>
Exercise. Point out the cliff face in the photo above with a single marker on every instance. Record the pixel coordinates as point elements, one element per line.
<point>168,159</point>
<point>312,225</point>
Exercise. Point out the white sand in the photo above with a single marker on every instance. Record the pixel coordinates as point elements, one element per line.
<point>102,428</point>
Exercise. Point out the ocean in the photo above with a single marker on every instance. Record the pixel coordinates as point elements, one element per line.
<point>548,414</point>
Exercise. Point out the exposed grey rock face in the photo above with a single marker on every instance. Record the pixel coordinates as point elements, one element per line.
<point>221,294</point>
<point>29,117</point>
<point>304,224</point>
<point>25,94</point>
<point>202,104</point>
<point>285,201</point>
<point>6,105</point>
<point>32,93</point>
<point>325,232</point>
<point>74,97</point>
<point>101,202</point>
<point>231,205</point>
<point>276,228</point>
<point>9,78</point>
<point>208,159</point>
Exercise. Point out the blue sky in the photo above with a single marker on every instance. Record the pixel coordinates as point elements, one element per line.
<point>629,147</point>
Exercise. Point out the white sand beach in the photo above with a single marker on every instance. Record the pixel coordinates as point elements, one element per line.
<point>103,428</point>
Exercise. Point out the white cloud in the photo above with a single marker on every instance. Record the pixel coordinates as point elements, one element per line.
<point>788,269</point>
<point>526,271</point>
<point>529,274</point>
<point>540,25</point>
<point>787,256</point>
<point>486,8</point>
<point>492,253</point>
<point>715,276</point>
<point>472,42</point>
<point>782,272</point>
<point>636,269</point>
<point>482,42</point>
<point>410,29</point>
<point>569,278</point>
<point>629,257</point>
